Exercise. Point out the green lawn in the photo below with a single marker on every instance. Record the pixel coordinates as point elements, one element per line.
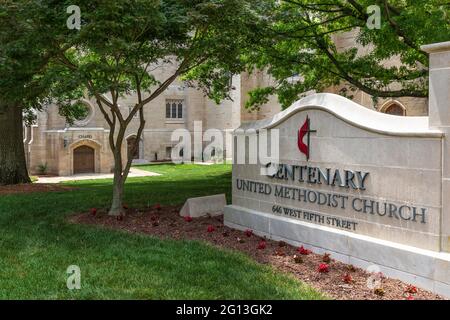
<point>37,245</point>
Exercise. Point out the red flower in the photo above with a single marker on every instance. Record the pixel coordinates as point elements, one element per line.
<point>303,251</point>
<point>348,278</point>
<point>323,268</point>
<point>188,218</point>
<point>248,232</point>
<point>261,245</point>
<point>93,211</point>
<point>157,206</point>
<point>411,289</point>
<point>211,229</point>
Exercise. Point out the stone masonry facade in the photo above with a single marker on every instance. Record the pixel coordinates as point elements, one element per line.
<point>54,147</point>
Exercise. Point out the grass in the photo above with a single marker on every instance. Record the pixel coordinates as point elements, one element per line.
<point>37,245</point>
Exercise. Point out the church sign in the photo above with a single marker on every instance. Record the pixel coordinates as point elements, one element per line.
<point>347,174</point>
<point>364,186</point>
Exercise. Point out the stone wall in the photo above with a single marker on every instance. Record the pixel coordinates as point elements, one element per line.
<point>53,134</point>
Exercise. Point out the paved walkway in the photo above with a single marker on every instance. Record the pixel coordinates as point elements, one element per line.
<point>134,172</point>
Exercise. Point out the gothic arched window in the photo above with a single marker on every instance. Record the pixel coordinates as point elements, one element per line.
<point>394,108</point>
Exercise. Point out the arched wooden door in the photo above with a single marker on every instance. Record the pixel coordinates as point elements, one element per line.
<point>83,160</point>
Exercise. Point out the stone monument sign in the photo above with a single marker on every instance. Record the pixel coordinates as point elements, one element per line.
<point>367,187</point>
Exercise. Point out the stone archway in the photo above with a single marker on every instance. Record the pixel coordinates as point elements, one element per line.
<point>87,149</point>
<point>83,160</point>
<point>393,108</point>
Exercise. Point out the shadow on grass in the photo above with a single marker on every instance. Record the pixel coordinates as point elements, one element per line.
<point>37,245</point>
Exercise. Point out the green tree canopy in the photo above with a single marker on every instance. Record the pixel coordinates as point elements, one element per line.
<point>25,49</point>
<point>297,47</point>
<point>119,44</point>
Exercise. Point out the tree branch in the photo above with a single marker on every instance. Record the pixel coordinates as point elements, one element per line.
<point>400,32</point>
<point>371,91</point>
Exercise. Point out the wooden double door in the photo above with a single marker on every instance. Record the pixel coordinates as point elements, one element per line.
<point>83,160</point>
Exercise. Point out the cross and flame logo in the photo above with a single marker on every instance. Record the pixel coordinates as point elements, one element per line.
<point>305,130</point>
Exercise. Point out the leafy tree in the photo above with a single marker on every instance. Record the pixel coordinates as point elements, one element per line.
<point>19,62</point>
<point>121,41</point>
<point>27,44</point>
<point>298,49</point>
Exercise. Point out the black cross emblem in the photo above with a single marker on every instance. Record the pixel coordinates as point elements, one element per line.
<point>309,136</point>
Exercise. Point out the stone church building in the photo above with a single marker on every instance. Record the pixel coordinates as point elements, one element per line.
<point>52,146</point>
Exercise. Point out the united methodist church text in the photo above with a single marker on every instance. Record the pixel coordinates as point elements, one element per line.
<point>343,179</point>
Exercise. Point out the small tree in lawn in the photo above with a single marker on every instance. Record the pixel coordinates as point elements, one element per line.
<point>121,41</point>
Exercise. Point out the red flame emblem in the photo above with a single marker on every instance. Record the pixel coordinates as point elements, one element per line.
<point>305,130</point>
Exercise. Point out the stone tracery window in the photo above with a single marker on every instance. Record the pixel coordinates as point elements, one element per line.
<point>85,113</point>
<point>174,108</point>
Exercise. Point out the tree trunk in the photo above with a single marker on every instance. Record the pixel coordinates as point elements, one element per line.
<point>118,186</point>
<point>13,168</point>
<point>117,200</point>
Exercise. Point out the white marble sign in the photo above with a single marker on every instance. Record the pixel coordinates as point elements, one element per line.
<point>365,186</point>
<point>380,182</point>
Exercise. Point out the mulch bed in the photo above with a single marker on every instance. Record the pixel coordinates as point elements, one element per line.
<point>166,223</point>
<point>33,187</point>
